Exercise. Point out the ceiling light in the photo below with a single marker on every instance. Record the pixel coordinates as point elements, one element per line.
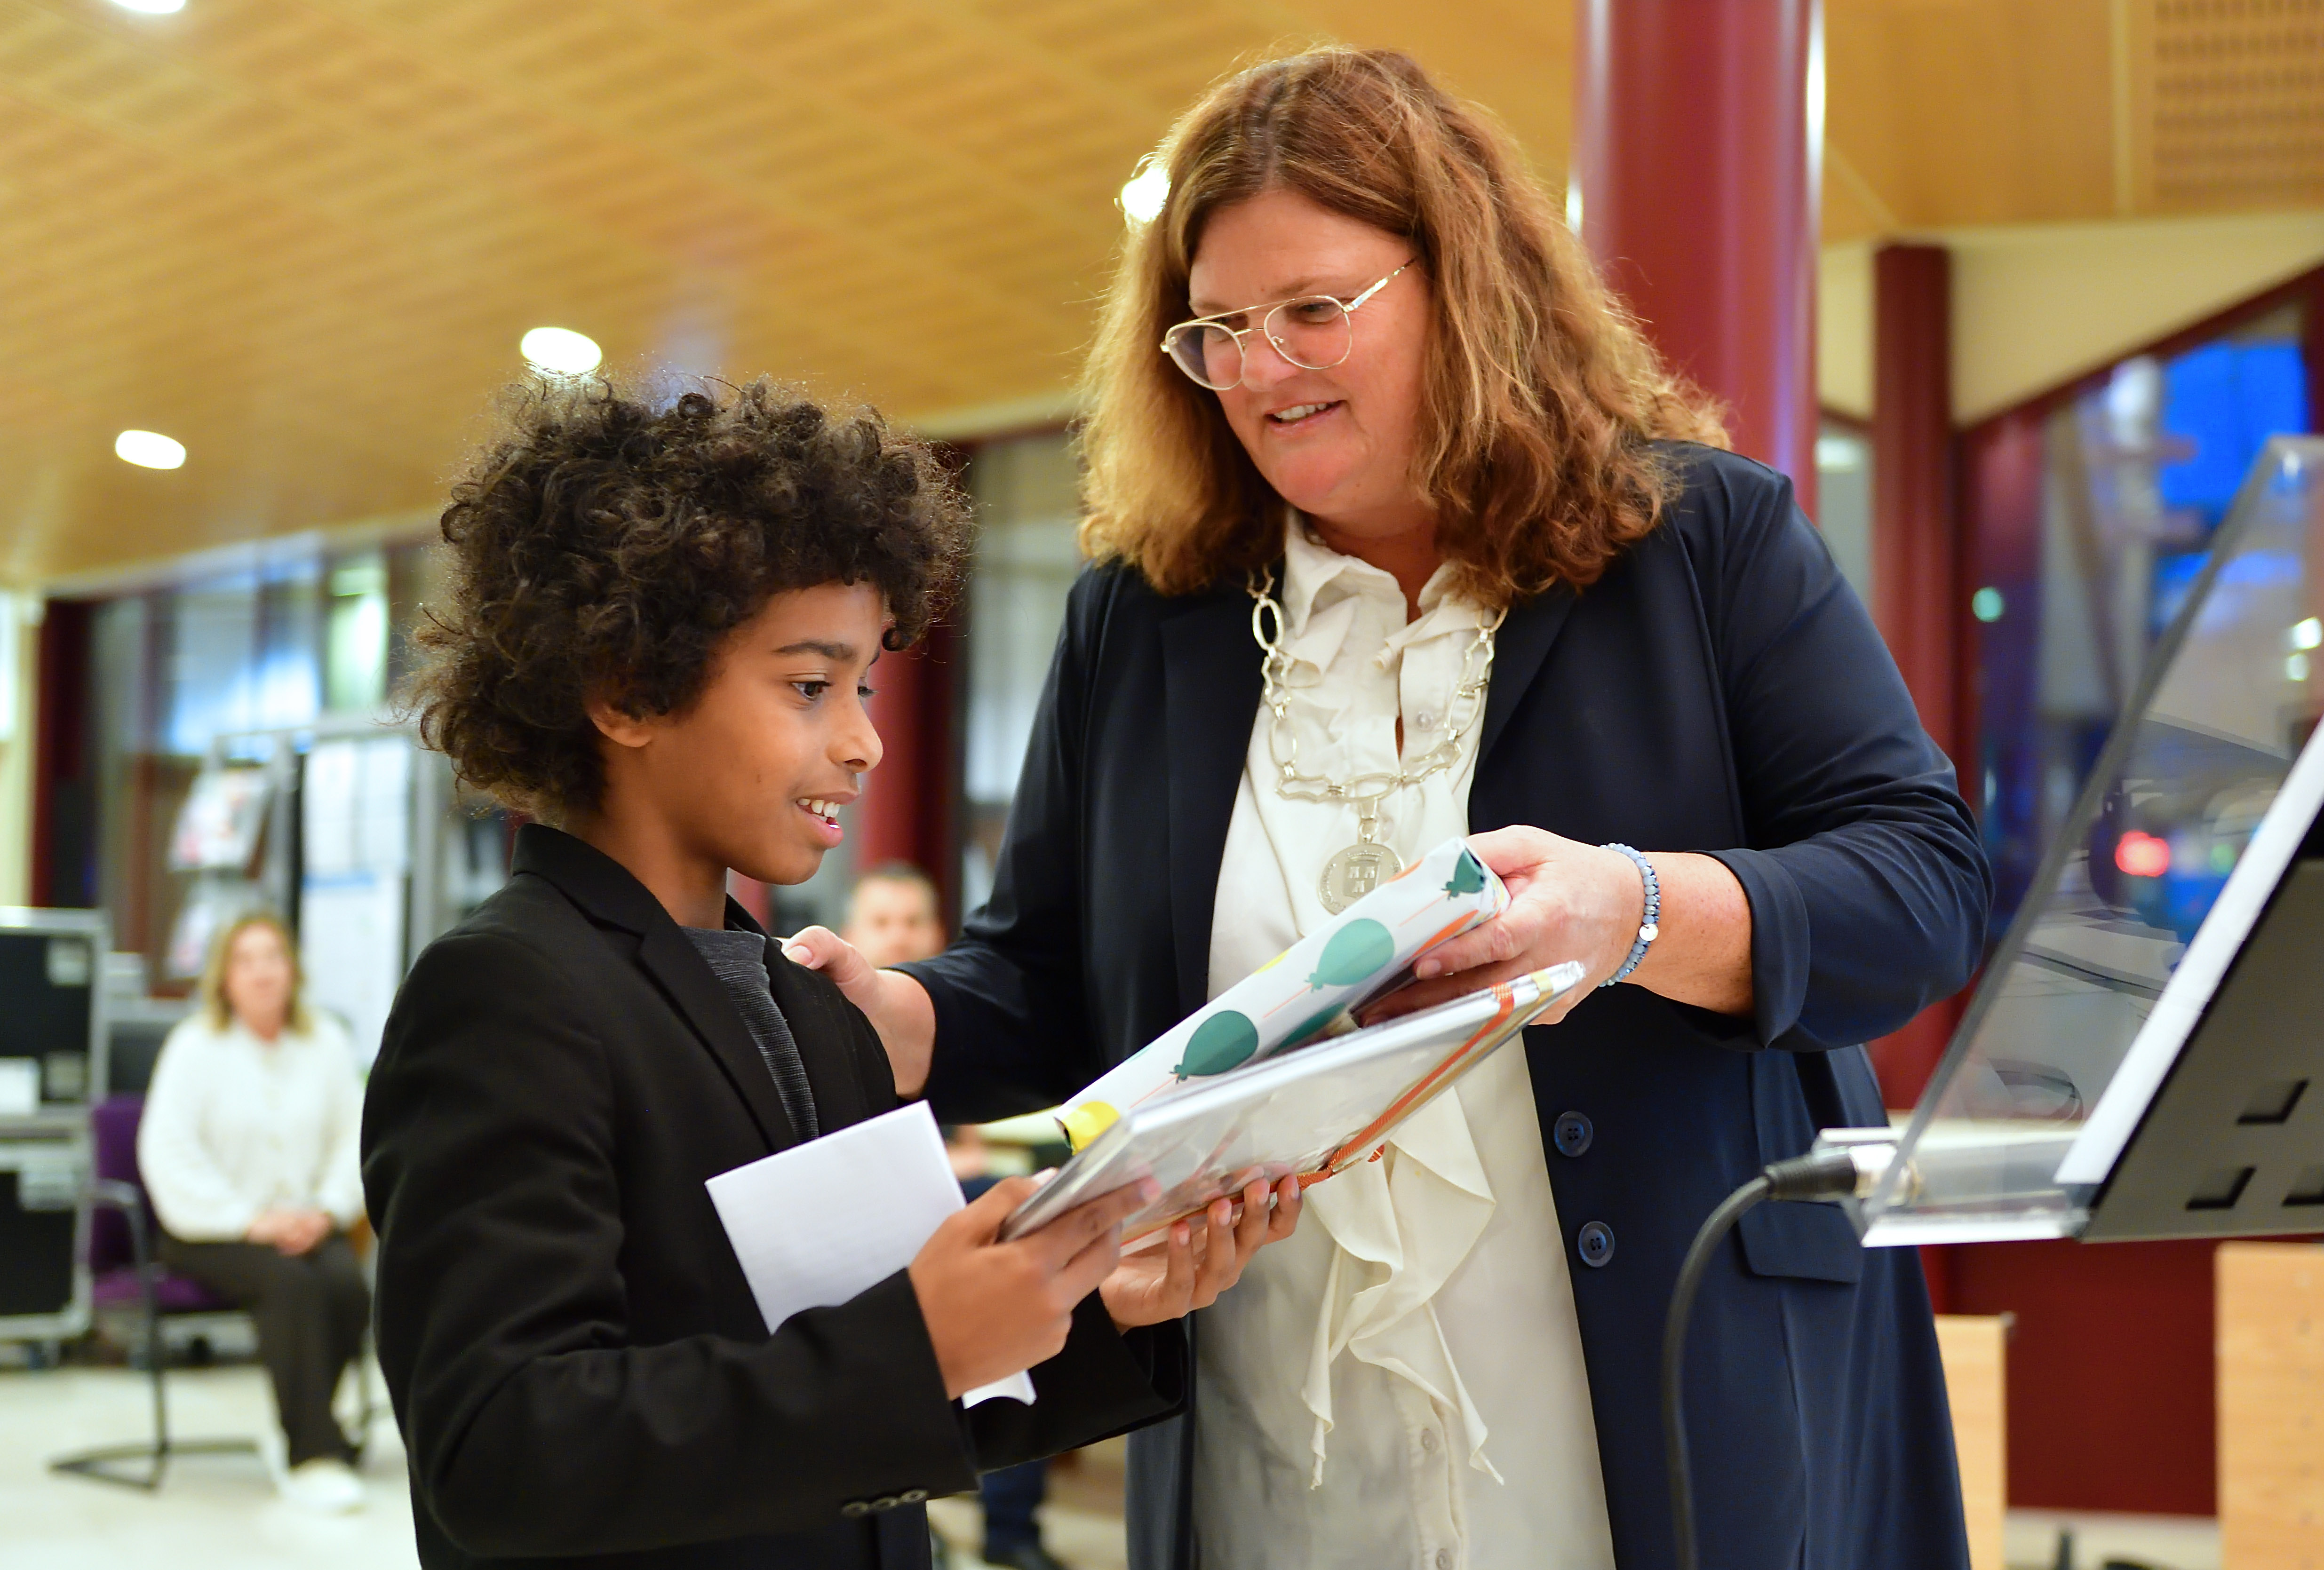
<point>149,450</point>
<point>153,8</point>
<point>1143,196</point>
<point>2307,634</point>
<point>561,351</point>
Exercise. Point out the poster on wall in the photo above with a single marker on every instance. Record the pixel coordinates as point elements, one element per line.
<point>212,903</point>
<point>351,946</point>
<point>355,807</point>
<point>217,828</point>
<point>355,851</point>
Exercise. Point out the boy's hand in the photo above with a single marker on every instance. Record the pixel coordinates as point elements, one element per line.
<point>897,1005</point>
<point>1203,1257</point>
<point>995,1309</point>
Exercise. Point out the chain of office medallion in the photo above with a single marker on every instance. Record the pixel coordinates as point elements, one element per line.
<point>1466,707</point>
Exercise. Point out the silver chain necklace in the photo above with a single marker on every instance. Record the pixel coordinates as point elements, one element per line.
<point>1362,867</point>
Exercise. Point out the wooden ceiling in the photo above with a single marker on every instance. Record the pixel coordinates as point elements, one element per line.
<point>303,238</point>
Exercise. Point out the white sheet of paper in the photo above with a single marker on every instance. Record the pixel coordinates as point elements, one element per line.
<point>817,1224</point>
<point>20,1087</point>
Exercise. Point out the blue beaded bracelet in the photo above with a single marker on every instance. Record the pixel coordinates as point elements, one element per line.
<point>1649,929</point>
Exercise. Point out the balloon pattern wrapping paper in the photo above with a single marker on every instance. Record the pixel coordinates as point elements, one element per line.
<point>1308,991</point>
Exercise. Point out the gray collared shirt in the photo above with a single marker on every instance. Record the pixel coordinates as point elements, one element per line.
<point>739,960</point>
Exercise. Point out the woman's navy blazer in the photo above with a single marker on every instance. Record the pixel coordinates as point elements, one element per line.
<point>1720,690</point>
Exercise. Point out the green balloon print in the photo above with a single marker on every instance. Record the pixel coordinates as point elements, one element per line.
<point>1218,1044</point>
<point>1468,875</point>
<point>1355,951</point>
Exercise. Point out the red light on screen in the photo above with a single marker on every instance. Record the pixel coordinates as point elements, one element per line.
<point>2143,854</point>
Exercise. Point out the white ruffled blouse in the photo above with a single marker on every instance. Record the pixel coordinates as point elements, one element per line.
<point>1400,1383</point>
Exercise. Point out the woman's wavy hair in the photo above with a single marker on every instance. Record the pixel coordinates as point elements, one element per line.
<point>217,1007</point>
<point>1542,393</point>
<point>607,538</point>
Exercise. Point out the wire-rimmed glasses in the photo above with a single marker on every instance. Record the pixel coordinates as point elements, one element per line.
<point>1312,332</point>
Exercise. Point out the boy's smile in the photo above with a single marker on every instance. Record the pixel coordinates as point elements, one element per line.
<point>824,812</point>
<point>751,774</point>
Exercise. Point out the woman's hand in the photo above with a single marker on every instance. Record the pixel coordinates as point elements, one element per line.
<point>1201,1258</point>
<point>994,1308</point>
<point>1572,900</point>
<point>289,1232</point>
<point>897,1005</point>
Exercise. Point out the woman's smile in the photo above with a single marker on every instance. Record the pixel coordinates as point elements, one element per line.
<point>1302,415</point>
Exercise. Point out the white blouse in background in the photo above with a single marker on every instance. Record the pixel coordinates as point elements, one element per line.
<point>1400,1382</point>
<point>234,1126</point>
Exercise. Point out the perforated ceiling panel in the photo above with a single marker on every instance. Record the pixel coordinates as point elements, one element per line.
<point>304,238</point>
<point>2237,103</point>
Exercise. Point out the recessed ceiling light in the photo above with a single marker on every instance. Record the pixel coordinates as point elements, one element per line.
<point>149,450</point>
<point>151,8</point>
<point>1142,199</point>
<point>562,351</point>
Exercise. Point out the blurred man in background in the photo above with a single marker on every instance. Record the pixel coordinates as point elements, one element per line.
<point>893,915</point>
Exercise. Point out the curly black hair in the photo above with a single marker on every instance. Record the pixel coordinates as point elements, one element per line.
<point>603,544</point>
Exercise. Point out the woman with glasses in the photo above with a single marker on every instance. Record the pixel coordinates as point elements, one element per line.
<point>1406,532</point>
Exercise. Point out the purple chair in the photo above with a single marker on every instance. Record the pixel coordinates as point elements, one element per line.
<point>124,1269</point>
<point>116,1269</point>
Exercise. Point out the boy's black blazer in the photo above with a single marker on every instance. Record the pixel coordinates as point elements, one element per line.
<point>577,1362</point>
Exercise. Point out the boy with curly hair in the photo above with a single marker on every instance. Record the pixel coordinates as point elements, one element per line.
<point>659,623</point>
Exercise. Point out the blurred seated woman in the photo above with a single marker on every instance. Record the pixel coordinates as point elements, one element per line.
<point>248,1147</point>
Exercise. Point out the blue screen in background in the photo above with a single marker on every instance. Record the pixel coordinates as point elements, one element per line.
<point>2174,574</point>
<point>2226,399</point>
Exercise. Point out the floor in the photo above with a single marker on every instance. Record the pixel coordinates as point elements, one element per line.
<point>212,1512</point>
<point>2030,1540</point>
<point>1081,1523</point>
<point>221,1512</point>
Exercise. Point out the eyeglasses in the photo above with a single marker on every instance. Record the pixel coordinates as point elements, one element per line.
<point>1312,332</point>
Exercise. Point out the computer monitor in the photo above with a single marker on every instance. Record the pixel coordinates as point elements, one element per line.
<point>51,1014</point>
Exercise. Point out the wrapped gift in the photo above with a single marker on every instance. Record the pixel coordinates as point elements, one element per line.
<point>1308,991</point>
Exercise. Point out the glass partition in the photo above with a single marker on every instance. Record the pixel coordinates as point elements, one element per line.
<point>2089,518</point>
<point>2205,747</point>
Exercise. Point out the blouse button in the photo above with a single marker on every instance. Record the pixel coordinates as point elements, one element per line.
<point>1596,1242</point>
<point>1428,1440</point>
<point>1572,1133</point>
<point>1425,720</point>
<point>1444,1559</point>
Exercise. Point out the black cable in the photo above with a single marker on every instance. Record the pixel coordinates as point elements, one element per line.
<point>1826,1175</point>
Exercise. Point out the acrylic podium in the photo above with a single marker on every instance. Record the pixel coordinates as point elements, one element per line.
<point>2144,1057</point>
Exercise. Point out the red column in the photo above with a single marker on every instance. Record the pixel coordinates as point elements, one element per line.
<point>1698,173</point>
<point>907,811</point>
<point>1916,596</point>
<point>64,787</point>
<point>2311,348</point>
<point>1916,558</point>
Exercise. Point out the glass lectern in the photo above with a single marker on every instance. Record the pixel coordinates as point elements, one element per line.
<point>2137,1060</point>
